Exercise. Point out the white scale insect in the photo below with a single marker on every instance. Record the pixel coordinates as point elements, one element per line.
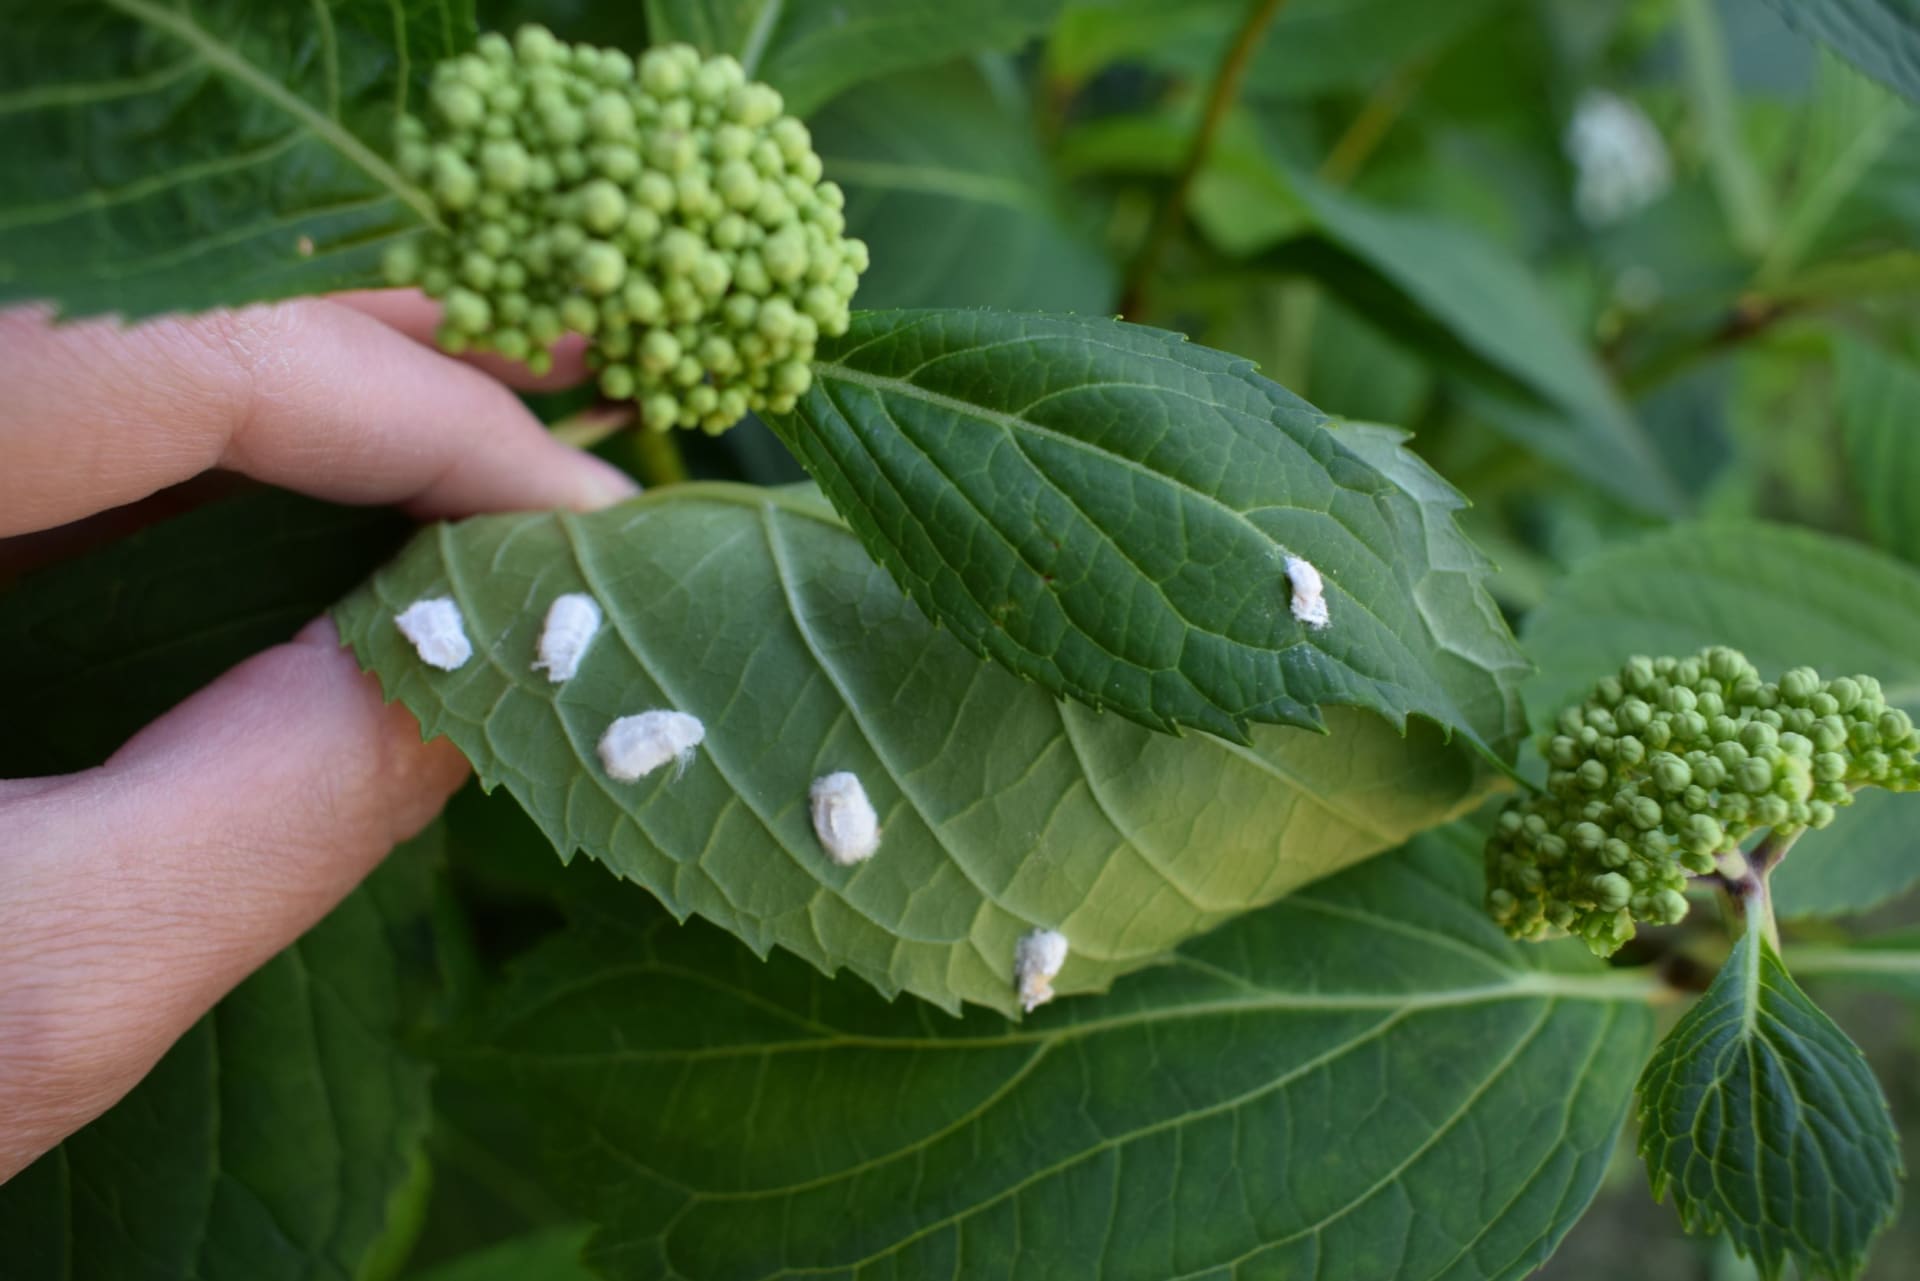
<point>1037,958</point>
<point>572,620</point>
<point>635,746</point>
<point>843,818</point>
<point>435,629</point>
<point>1309,592</point>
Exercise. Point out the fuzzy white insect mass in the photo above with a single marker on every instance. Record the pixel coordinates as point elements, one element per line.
<point>635,746</point>
<point>843,818</point>
<point>1037,958</point>
<point>437,634</point>
<point>1619,156</point>
<point>1309,593</point>
<point>572,620</point>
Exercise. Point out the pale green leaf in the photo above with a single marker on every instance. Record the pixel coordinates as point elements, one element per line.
<point>1107,509</point>
<point>1877,395</point>
<point>1786,598</point>
<point>1881,37</point>
<point>281,1139</point>
<point>1855,182</point>
<point>1890,962</point>
<point>1766,1124</point>
<point>946,184</point>
<point>1001,808</point>
<point>160,155</point>
<point>810,50</point>
<point>550,1254</point>
<point>1365,1080</point>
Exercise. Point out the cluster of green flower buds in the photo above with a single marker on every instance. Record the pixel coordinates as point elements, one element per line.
<point>665,209</point>
<point>1664,770</point>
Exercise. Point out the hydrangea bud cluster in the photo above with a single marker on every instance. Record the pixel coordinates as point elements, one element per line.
<point>665,209</point>
<point>1667,767</point>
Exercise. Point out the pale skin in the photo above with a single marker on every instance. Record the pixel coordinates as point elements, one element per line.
<point>133,896</point>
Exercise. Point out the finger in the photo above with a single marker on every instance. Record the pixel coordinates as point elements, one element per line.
<point>310,395</point>
<point>134,896</point>
<point>417,316</point>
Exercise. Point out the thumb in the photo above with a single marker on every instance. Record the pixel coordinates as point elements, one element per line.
<point>134,896</point>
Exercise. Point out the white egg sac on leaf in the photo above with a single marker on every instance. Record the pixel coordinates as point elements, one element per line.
<point>436,631</point>
<point>1309,592</point>
<point>572,620</point>
<point>635,746</point>
<point>1037,958</point>
<point>843,818</point>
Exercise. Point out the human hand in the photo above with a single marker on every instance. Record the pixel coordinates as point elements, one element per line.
<point>133,896</point>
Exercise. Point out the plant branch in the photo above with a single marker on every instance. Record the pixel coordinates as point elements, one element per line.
<point>1226,88</point>
<point>1364,134</point>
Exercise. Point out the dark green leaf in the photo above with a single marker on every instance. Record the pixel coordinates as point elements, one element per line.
<point>1480,296</point>
<point>1107,509</point>
<point>1787,598</point>
<point>1766,1123</point>
<point>1877,395</point>
<point>947,186</point>
<point>94,648</point>
<point>1001,808</point>
<point>1313,46</point>
<point>1881,37</point>
<point>1365,1080</point>
<point>810,50</point>
<point>157,156</point>
<point>280,1138</point>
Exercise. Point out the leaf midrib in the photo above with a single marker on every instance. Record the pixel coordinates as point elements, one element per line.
<point>226,60</point>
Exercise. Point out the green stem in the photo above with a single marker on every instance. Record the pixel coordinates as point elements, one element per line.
<point>656,456</point>
<point>1226,88</point>
<point>593,424</point>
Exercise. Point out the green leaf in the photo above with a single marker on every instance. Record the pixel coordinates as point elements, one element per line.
<point>1441,277</point>
<point>1313,46</point>
<point>1001,808</point>
<point>1786,597</point>
<point>1107,509</point>
<point>946,184</point>
<point>1462,299</point>
<point>551,1254</point>
<point>810,50</point>
<point>1881,37</point>
<point>1766,1123</point>
<point>281,1137</point>
<point>1365,1080</point>
<point>1887,961</point>
<point>93,648</point>
<point>169,157</point>
<point>1876,395</point>
<point>1855,182</point>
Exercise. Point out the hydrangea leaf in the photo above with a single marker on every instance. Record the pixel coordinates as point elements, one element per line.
<point>281,1139</point>
<point>1001,808</point>
<point>1364,1080</point>
<point>1876,391</point>
<point>1881,37</point>
<point>810,50</point>
<point>1785,597</point>
<point>1110,510</point>
<point>946,183</point>
<point>1766,1124</point>
<point>165,156</point>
